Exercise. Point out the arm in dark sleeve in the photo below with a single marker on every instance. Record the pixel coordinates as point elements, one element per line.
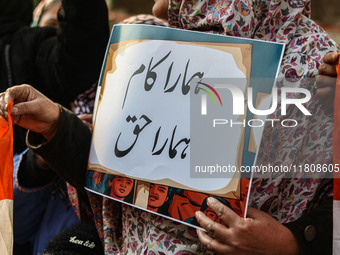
<point>70,62</point>
<point>33,175</point>
<point>67,153</point>
<point>30,199</point>
<point>314,231</point>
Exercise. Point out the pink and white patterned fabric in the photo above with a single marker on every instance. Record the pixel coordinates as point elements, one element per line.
<point>310,142</point>
<point>126,230</point>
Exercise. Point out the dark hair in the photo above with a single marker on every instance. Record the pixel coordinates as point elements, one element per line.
<point>164,208</point>
<point>129,197</point>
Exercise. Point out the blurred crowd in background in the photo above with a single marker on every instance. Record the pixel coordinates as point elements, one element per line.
<point>326,13</point>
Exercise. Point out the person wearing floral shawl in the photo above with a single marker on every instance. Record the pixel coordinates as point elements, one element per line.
<point>306,43</point>
<point>287,216</point>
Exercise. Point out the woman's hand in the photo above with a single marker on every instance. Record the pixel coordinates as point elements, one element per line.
<point>257,234</point>
<point>31,110</point>
<point>325,81</point>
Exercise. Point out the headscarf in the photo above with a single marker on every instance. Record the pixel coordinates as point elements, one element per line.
<point>14,14</point>
<point>269,20</point>
<point>310,142</point>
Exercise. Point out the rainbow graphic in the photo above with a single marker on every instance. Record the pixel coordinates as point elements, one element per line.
<point>204,88</point>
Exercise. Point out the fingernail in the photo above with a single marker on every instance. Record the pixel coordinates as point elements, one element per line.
<point>197,214</point>
<point>14,110</point>
<point>210,200</point>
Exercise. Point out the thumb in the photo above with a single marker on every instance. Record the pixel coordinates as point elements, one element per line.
<point>18,93</point>
<point>26,108</point>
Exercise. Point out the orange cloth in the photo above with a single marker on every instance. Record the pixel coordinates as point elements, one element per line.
<point>6,184</point>
<point>6,156</point>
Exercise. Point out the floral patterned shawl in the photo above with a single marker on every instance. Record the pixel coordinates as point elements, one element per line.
<point>310,142</point>
<point>127,230</point>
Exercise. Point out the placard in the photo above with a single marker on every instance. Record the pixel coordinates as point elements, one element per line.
<point>162,139</point>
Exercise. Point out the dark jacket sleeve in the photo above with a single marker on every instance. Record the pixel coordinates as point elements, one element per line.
<point>31,174</point>
<point>314,230</point>
<point>67,153</point>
